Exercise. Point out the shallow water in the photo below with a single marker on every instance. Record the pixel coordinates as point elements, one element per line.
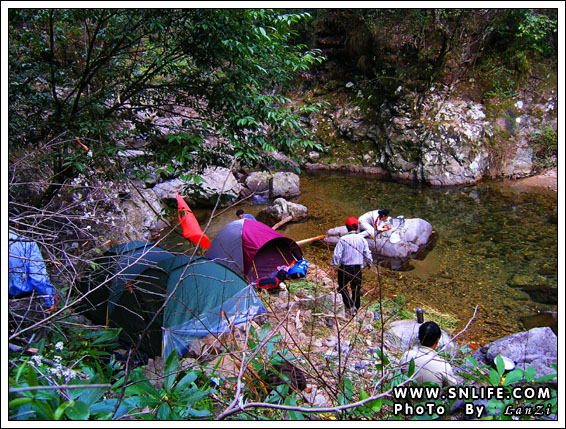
<point>497,245</point>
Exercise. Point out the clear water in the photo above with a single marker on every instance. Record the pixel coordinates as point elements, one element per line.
<point>497,247</point>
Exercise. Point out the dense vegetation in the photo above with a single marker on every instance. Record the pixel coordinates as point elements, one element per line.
<point>84,83</point>
<point>100,75</point>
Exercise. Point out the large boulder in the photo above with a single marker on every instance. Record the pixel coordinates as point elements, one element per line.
<point>258,181</point>
<point>447,135</point>
<point>216,181</point>
<point>281,208</point>
<point>537,347</point>
<point>100,214</point>
<point>520,164</point>
<point>284,184</point>
<point>405,240</point>
<point>403,335</point>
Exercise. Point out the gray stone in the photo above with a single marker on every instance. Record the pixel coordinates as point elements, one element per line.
<point>402,335</point>
<point>521,164</point>
<point>258,181</point>
<point>284,184</point>
<point>414,236</point>
<point>115,209</point>
<point>216,181</point>
<point>282,208</point>
<point>537,347</point>
<point>166,190</point>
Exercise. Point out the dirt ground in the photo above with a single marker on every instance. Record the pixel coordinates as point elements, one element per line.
<point>546,180</point>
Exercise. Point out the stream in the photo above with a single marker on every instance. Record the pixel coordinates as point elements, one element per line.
<point>497,246</point>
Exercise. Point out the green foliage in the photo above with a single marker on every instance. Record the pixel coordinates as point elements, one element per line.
<point>185,394</point>
<point>93,384</point>
<point>545,143</point>
<point>104,74</point>
<point>304,285</point>
<point>76,362</point>
<point>180,398</point>
<point>501,409</point>
<point>393,307</point>
<point>535,29</point>
<point>518,39</point>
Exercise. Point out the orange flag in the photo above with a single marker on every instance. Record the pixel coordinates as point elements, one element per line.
<point>190,225</point>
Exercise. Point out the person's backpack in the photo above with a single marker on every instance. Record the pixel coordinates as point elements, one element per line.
<point>298,269</point>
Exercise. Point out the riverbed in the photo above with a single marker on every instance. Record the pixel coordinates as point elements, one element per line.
<point>496,252</point>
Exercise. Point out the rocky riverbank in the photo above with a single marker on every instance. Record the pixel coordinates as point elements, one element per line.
<point>547,180</point>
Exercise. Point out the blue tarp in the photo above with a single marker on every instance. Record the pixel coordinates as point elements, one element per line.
<point>235,310</point>
<point>27,272</point>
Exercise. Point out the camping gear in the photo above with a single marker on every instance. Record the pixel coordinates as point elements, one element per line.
<point>395,237</point>
<point>116,270</point>
<point>267,282</point>
<point>310,240</point>
<point>26,269</point>
<point>178,299</point>
<point>253,249</point>
<point>298,269</point>
<point>190,225</point>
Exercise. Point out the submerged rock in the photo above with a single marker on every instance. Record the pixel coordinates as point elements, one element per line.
<point>281,208</point>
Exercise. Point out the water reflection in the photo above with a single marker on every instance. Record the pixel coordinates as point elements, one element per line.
<point>497,247</point>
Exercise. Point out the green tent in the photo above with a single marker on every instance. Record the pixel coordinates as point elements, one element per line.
<point>179,298</point>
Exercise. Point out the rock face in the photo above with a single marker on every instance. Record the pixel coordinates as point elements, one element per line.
<point>112,212</point>
<point>438,144</point>
<point>258,182</point>
<point>537,347</point>
<point>438,138</point>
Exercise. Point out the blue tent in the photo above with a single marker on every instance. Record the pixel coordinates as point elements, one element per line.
<point>27,272</point>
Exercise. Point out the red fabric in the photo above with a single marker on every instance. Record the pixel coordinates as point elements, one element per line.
<point>267,282</point>
<point>352,221</point>
<point>190,225</point>
<point>280,251</point>
<point>255,235</point>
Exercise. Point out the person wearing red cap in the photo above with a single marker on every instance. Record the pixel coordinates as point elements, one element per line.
<point>350,254</point>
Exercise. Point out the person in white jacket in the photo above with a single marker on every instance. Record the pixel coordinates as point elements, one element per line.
<point>374,222</point>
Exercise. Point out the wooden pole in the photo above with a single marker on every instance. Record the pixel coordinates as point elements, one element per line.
<point>282,222</point>
<point>310,240</point>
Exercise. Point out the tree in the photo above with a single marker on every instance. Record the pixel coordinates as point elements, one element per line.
<point>91,77</point>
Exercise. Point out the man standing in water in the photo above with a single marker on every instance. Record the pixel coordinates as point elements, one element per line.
<point>350,255</point>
